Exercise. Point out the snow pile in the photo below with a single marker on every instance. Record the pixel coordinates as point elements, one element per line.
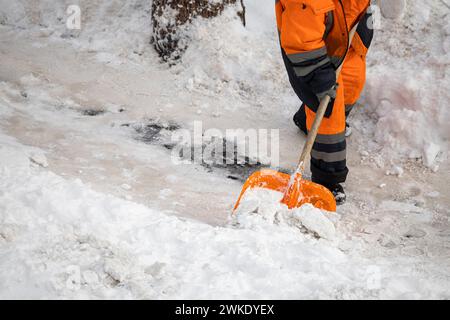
<point>226,58</point>
<point>115,29</point>
<point>407,87</point>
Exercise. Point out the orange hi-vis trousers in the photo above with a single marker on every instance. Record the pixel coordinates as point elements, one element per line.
<point>328,157</point>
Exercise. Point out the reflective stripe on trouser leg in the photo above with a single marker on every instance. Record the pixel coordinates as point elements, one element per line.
<point>329,159</point>
<point>329,154</point>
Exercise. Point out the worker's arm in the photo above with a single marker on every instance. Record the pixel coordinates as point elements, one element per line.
<point>302,25</point>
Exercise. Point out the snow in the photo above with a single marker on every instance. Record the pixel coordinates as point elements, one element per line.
<point>87,210</point>
<point>392,9</point>
<point>407,79</point>
<point>59,238</point>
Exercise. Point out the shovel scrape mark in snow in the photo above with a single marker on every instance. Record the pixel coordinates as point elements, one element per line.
<point>154,132</point>
<point>237,166</point>
<point>92,112</point>
<point>229,160</point>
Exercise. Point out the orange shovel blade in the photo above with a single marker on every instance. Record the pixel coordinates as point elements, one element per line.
<point>296,194</point>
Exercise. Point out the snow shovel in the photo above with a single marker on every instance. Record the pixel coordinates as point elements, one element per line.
<point>296,190</point>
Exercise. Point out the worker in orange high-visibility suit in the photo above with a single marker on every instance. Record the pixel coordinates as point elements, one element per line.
<point>314,36</point>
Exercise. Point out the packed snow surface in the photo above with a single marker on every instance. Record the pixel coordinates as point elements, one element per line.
<point>92,205</point>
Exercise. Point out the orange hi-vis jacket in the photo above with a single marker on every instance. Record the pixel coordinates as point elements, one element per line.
<point>309,29</point>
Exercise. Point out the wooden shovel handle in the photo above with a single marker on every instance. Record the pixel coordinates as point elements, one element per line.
<point>312,135</point>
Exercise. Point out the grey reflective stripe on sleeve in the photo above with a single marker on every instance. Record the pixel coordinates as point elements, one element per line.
<point>330,138</point>
<point>329,157</point>
<point>308,55</point>
<point>304,71</point>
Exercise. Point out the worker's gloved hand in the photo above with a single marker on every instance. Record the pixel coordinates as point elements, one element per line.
<point>320,83</point>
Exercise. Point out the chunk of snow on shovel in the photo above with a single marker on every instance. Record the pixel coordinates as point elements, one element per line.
<point>315,221</point>
<point>39,159</point>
